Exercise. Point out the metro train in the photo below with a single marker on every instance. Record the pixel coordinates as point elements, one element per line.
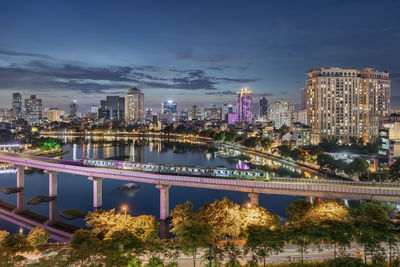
<point>180,170</point>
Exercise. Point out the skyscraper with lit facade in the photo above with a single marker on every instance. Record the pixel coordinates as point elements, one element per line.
<point>263,106</point>
<point>33,109</point>
<point>169,107</point>
<point>346,104</point>
<point>244,105</point>
<point>134,105</point>
<point>17,105</point>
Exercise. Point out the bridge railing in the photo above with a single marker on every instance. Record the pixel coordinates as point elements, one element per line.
<point>100,171</point>
<point>335,182</point>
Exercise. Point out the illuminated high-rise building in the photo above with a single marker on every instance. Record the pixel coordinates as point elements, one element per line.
<point>33,109</point>
<point>263,106</point>
<point>169,107</point>
<point>346,104</point>
<point>53,114</point>
<point>16,105</point>
<point>134,105</point>
<point>244,105</point>
<point>73,109</point>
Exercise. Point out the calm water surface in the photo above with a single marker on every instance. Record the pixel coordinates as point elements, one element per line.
<point>75,191</point>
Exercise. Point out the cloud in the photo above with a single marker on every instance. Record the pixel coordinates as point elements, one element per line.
<point>23,54</point>
<point>221,93</point>
<point>57,75</point>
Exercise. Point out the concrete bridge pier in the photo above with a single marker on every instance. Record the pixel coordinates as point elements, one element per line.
<point>164,201</point>
<point>97,191</point>
<point>20,186</point>
<point>253,198</point>
<point>53,187</point>
<point>20,176</point>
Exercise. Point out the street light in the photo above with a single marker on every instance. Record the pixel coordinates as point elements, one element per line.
<point>124,208</point>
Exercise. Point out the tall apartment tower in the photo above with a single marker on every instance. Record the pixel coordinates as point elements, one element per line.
<point>17,105</point>
<point>244,105</point>
<point>263,106</point>
<point>346,103</point>
<point>33,109</point>
<point>134,105</point>
<point>73,109</point>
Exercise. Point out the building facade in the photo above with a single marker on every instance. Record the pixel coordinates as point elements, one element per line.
<point>263,106</point>
<point>33,109</point>
<point>134,105</point>
<point>169,107</point>
<point>280,113</point>
<point>16,105</point>
<point>53,114</point>
<point>389,140</point>
<point>244,106</point>
<point>346,103</point>
<point>73,109</point>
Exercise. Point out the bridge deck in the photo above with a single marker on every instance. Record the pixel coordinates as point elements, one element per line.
<point>288,186</point>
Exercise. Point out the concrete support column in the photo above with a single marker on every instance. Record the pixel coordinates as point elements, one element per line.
<point>52,183</point>
<point>20,199</point>
<point>97,191</point>
<point>164,201</point>
<point>253,198</point>
<point>20,176</point>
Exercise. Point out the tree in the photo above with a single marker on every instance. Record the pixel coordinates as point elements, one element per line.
<point>339,234</point>
<point>233,252</point>
<point>372,225</point>
<point>83,244</point>
<point>181,213</point>
<point>105,223</point>
<point>284,150</point>
<point>3,235</point>
<point>327,211</point>
<point>298,209</point>
<point>358,166</point>
<point>223,216</point>
<point>262,241</point>
<point>192,235</point>
<point>394,170</point>
<point>38,237</point>
<point>257,215</point>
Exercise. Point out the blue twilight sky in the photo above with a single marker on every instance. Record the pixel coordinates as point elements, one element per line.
<point>195,52</point>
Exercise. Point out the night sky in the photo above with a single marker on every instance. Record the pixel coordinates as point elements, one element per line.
<point>195,52</point>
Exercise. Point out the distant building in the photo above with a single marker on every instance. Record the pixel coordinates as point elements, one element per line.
<point>280,113</point>
<point>346,103</point>
<point>169,107</point>
<point>227,108</point>
<point>16,105</point>
<point>300,116</point>
<point>301,135</point>
<point>184,116</point>
<point>389,140</point>
<point>244,105</point>
<point>194,113</point>
<point>212,113</point>
<point>33,109</point>
<point>53,114</point>
<point>115,106</point>
<point>232,118</point>
<point>73,109</point>
<point>134,105</point>
<point>263,106</point>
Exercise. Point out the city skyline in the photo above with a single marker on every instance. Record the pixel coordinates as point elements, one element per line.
<point>76,54</point>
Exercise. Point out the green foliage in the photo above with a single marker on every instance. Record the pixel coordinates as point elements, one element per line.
<point>181,213</point>
<point>3,235</point>
<point>46,143</point>
<point>155,262</point>
<point>372,228</point>
<point>105,223</point>
<point>298,209</point>
<point>223,216</point>
<point>358,166</point>
<point>262,241</point>
<point>38,237</point>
